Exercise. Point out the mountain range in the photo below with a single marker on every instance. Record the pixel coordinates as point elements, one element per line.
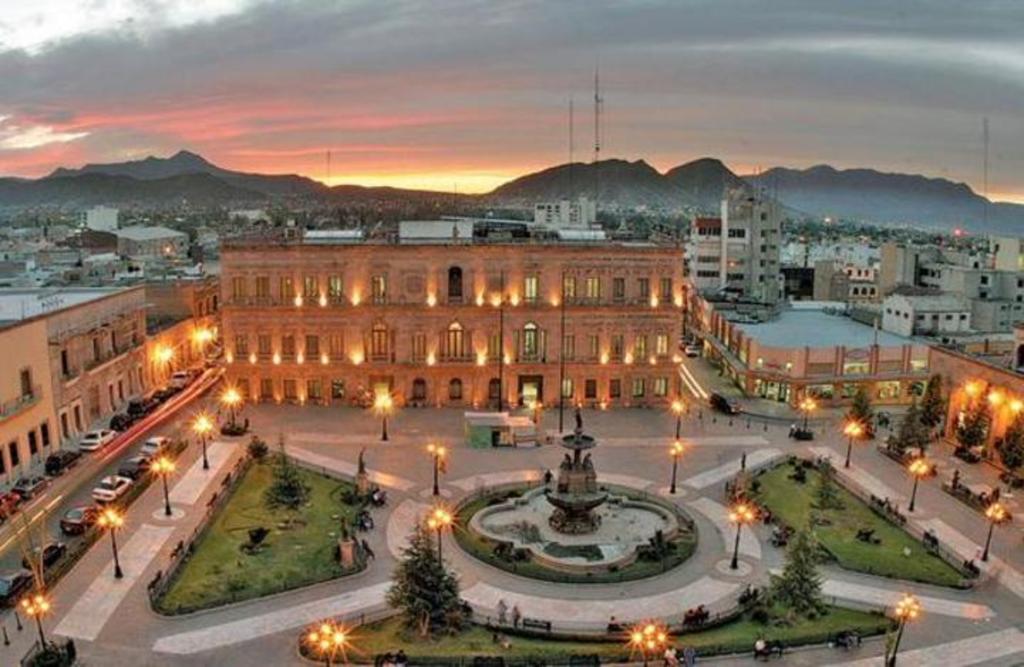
<point>853,194</point>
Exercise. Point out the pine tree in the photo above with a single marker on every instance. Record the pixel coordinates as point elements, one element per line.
<point>287,490</point>
<point>1011,447</point>
<point>827,494</point>
<point>862,412</point>
<point>799,585</point>
<point>912,433</point>
<point>425,591</point>
<point>933,405</point>
<point>973,430</point>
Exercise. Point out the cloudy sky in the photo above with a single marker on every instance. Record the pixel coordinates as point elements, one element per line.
<point>469,93</point>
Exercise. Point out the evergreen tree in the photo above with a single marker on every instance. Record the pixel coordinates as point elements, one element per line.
<point>933,405</point>
<point>827,493</point>
<point>799,585</point>
<point>1011,447</point>
<point>973,430</point>
<point>912,432</point>
<point>862,412</point>
<point>425,591</point>
<point>287,490</point>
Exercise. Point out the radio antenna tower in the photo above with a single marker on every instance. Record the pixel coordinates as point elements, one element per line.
<point>572,186</point>
<point>598,107</point>
<point>984,177</point>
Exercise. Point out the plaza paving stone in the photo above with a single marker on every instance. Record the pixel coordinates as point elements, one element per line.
<point>757,459</point>
<point>961,653</point>
<point>718,514</point>
<point>879,596</point>
<point>348,469</point>
<point>190,487</point>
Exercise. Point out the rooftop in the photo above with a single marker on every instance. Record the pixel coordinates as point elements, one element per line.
<point>140,233</point>
<point>21,304</point>
<point>816,328</point>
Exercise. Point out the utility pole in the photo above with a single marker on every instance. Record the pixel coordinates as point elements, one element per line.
<point>501,345</point>
<point>561,359</point>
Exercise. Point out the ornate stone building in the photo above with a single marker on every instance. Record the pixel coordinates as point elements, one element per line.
<point>458,320</point>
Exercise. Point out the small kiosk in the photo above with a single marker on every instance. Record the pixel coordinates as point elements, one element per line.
<point>499,429</point>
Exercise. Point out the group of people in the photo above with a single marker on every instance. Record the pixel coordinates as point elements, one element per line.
<point>390,659</point>
<point>503,614</point>
<point>672,657</point>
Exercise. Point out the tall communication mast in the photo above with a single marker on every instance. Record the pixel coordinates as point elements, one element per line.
<point>598,108</point>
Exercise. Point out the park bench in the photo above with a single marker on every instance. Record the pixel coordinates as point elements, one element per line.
<point>536,624</point>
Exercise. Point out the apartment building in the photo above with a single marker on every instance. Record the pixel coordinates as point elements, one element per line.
<point>838,281</point>
<point>447,318</point>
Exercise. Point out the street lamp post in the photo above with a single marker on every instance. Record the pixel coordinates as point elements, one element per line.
<point>328,639</point>
<point>112,520</point>
<point>36,606</point>
<point>677,408</point>
<point>852,430</point>
<point>740,514</point>
<point>996,514</point>
<point>437,453</point>
<point>439,519</point>
<point>383,405</point>
<point>807,406</point>
<point>649,639</point>
<point>907,609</point>
<point>677,450</point>
<point>163,466</point>
<point>202,427</point>
<point>918,469</point>
<point>231,398</point>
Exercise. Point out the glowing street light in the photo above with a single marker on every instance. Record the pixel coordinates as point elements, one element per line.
<point>996,514</point>
<point>439,519</point>
<point>807,406</point>
<point>231,398</point>
<point>907,609</point>
<point>648,639</point>
<point>112,520</point>
<point>383,405</point>
<point>437,453</point>
<point>328,639</point>
<point>852,430</point>
<point>740,514</point>
<point>676,451</point>
<point>918,468</point>
<point>37,605</point>
<point>678,407</point>
<point>201,426</point>
<point>163,466</point>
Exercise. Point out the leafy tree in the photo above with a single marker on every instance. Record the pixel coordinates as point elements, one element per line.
<point>425,591</point>
<point>912,432</point>
<point>861,411</point>
<point>827,493</point>
<point>933,405</point>
<point>257,448</point>
<point>973,430</point>
<point>799,585</point>
<point>1011,447</point>
<point>287,490</point>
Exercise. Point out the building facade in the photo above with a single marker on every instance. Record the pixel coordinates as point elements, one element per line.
<point>27,417</point>
<point>461,321</point>
<point>151,242</point>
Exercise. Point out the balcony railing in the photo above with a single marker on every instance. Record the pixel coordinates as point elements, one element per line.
<point>21,403</point>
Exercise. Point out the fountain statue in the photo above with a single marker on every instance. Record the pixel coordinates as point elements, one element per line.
<point>576,494</point>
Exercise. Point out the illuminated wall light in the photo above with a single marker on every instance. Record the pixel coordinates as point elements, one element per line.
<point>298,300</point>
<point>654,301</point>
<point>300,358</point>
<point>995,398</point>
<point>1016,405</point>
<point>357,358</point>
<point>677,358</point>
<point>604,358</point>
<point>479,299</point>
<point>554,301</point>
<point>252,357</point>
<point>514,299</point>
<point>356,297</point>
<point>679,301</point>
<point>323,300</point>
<point>481,359</point>
<point>604,405</point>
<point>652,361</point>
<point>277,359</point>
<point>324,359</point>
<point>495,300</point>
<point>431,300</point>
<point>230,357</point>
<point>431,359</point>
<point>628,359</point>
<point>508,360</point>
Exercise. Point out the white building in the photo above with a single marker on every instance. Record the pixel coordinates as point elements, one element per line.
<point>1007,253</point>
<point>101,219</point>
<point>926,315</point>
<point>151,242</point>
<point>577,213</point>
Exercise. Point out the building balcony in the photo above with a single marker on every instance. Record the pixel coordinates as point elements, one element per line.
<point>18,405</point>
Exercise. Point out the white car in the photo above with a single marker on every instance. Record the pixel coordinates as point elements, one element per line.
<point>692,350</point>
<point>154,446</point>
<point>94,440</point>
<point>111,488</point>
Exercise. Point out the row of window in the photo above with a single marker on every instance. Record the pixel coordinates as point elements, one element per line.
<point>35,439</point>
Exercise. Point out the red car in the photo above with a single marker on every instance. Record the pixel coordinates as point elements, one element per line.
<point>8,504</point>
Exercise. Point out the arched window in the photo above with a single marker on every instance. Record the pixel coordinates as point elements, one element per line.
<point>455,283</point>
<point>379,340</point>
<point>419,389</point>
<point>530,340</point>
<point>455,390</point>
<point>455,340</point>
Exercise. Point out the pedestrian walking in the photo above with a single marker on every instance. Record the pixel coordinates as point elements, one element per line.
<point>516,616</point>
<point>689,656</point>
<point>368,551</point>
<point>502,612</point>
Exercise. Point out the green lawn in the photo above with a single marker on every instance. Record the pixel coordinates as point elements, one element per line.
<point>792,503</point>
<point>735,636</point>
<point>219,572</point>
<point>482,548</point>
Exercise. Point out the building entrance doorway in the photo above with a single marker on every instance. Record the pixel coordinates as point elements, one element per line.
<point>531,389</point>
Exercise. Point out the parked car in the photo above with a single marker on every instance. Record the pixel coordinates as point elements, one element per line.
<point>94,440</point>
<point>9,502</point>
<point>693,350</point>
<point>161,395</point>
<point>111,488</point>
<point>122,421</point>
<point>154,446</point>
<point>51,553</point>
<point>179,379</point>
<point>30,485</point>
<point>79,519</point>
<point>138,407</point>
<point>135,467</point>
<point>13,584</point>
<point>723,404</point>
<point>58,462</point>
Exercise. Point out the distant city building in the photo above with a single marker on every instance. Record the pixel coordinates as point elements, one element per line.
<point>935,315</point>
<point>798,282</point>
<point>249,215</point>
<point>101,219</point>
<point>835,281</point>
<point>151,242</point>
<point>580,212</point>
<point>1007,253</point>
<point>739,251</point>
